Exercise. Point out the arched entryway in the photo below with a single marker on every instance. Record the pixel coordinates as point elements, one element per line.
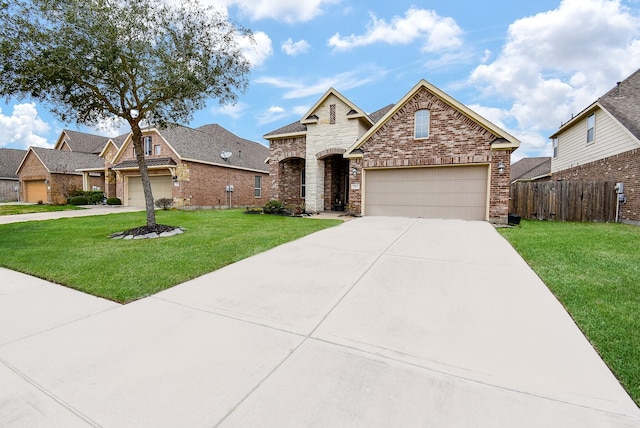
<point>336,182</point>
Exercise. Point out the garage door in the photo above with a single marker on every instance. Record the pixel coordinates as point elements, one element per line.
<point>160,186</point>
<point>455,192</point>
<point>35,191</point>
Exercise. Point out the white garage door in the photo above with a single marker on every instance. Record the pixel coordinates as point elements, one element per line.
<point>453,192</point>
<point>160,187</point>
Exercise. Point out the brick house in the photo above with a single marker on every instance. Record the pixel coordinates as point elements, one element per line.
<point>427,156</point>
<point>203,167</point>
<point>9,162</point>
<point>50,175</point>
<point>602,143</point>
<point>185,165</point>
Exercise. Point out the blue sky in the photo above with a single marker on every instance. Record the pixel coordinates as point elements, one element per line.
<point>526,66</point>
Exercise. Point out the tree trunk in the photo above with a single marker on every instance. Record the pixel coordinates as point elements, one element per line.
<point>144,174</point>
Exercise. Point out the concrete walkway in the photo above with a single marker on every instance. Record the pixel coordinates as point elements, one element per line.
<point>379,322</point>
<point>89,210</point>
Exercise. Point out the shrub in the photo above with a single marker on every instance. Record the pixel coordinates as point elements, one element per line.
<point>78,200</point>
<point>164,203</point>
<point>94,197</point>
<point>274,207</point>
<point>114,201</point>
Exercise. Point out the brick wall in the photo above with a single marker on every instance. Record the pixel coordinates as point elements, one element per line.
<point>624,167</point>
<point>286,160</point>
<point>203,185</point>
<point>453,139</point>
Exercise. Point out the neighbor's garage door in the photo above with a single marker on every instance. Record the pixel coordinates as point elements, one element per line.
<point>160,186</point>
<point>454,192</point>
<point>35,191</point>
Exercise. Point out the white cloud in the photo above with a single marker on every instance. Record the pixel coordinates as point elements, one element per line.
<point>235,111</point>
<point>558,62</point>
<point>341,82</point>
<point>295,48</point>
<point>23,126</point>
<point>282,10</point>
<point>258,50</point>
<point>273,113</point>
<point>437,33</point>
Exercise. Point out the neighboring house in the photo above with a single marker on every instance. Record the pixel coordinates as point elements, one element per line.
<point>9,182</point>
<point>426,156</point>
<point>531,169</point>
<point>204,167</point>
<point>602,143</point>
<point>185,165</point>
<point>50,175</point>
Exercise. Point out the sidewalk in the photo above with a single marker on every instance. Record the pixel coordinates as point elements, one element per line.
<point>88,210</point>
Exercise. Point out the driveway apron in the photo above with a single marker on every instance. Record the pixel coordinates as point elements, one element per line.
<point>377,322</point>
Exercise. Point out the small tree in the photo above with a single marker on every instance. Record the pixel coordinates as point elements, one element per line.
<point>93,61</point>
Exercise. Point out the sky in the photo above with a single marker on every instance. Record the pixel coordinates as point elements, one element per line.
<point>526,66</point>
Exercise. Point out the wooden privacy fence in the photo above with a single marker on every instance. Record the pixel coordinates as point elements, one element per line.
<point>564,200</point>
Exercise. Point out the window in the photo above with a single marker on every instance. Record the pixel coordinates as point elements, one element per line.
<point>146,143</point>
<point>303,183</point>
<point>257,191</point>
<point>421,124</point>
<point>591,128</point>
<point>156,149</point>
<point>554,144</point>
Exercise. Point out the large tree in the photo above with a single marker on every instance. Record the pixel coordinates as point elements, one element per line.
<point>92,61</point>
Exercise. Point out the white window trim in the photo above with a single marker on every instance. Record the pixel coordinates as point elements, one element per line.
<point>593,128</point>
<point>415,125</point>
<point>257,191</point>
<point>147,142</point>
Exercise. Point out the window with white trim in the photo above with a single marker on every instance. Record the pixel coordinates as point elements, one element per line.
<point>257,187</point>
<point>147,144</point>
<point>591,128</point>
<point>421,125</point>
<point>157,149</point>
<point>554,144</point>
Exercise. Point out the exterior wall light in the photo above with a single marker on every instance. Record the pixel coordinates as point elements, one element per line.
<point>354,171</point>
<point>500,168</point>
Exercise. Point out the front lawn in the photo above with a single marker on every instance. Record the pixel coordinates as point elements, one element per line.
<point>9,209</point>
<point>594,270</point>
<point>77,252</point>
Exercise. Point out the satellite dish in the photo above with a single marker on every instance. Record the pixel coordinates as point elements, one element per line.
<point>225,155</point>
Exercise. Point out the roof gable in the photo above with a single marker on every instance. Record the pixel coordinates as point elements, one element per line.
<point>64,162</point>
<point>356,112</point>
<point>81,142</point>
<point>531,168</point>
<point>506,140</point>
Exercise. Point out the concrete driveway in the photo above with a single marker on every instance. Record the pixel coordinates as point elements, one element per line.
<point>379,322</point>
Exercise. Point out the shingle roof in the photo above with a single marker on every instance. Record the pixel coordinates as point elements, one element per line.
<point>85,143</point>
<point>297,127</point>
<point>206,143</point>
<point>64,162</point>
<point>530,168</point>
<point>10,160</point>
<point>151,162</point>
<point>623,102</point>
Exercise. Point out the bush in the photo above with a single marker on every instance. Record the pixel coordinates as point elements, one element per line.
<point>114,201</point>
<point>274,207</point>
<point>94,197</point>
<point>164,203</point>
<point>78,200</point>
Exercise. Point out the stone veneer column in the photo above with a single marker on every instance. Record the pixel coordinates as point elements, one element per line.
<point>314,198</point>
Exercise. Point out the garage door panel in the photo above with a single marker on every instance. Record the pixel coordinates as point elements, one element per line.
<point>161,187</point>
<point>35,191</point>
<point>431,192</point>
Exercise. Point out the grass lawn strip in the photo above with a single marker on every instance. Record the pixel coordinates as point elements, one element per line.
<point>11,209</point>
<point>76,252</point>
<point>594,270</point>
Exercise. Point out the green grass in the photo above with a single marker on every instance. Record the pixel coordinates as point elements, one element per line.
<point>76,252</point>
<point>9,209</point>
<point>594,270</point>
